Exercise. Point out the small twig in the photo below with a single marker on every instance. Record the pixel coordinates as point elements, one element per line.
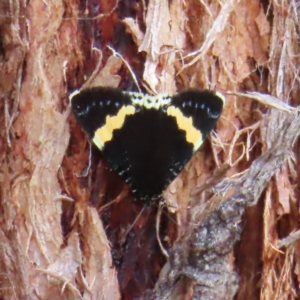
<point>290,239</point>
<point>267,100</point>
<point>127,65</point>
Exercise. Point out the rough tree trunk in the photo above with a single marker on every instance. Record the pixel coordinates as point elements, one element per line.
<point>231,227</point>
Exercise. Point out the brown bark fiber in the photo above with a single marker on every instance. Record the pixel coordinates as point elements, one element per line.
<point>231,226</point>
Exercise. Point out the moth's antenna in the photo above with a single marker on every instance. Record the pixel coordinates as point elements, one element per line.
<point>134,222</point>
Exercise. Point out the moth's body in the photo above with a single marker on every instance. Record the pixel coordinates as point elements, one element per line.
<point>156,153</point>
<point>146,139</point>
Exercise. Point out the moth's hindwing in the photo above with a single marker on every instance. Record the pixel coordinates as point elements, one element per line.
<point>147,139</point>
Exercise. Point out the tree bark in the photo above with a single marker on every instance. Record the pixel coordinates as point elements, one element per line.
<point>232,218</point>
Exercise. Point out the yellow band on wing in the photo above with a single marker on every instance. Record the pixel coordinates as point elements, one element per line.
<point>105,133</point>
<point>193,135</point>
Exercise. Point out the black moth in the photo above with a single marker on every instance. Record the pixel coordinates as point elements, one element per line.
<point>147,139</point>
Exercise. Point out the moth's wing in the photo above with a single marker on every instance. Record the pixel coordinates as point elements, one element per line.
<point>147,144</point>
<point>196,112</point>
<point>100,111</point>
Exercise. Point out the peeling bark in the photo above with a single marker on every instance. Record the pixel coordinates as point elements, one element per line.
<point>231,227</point>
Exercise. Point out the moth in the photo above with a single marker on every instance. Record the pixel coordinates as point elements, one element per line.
<point>147,139</point>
